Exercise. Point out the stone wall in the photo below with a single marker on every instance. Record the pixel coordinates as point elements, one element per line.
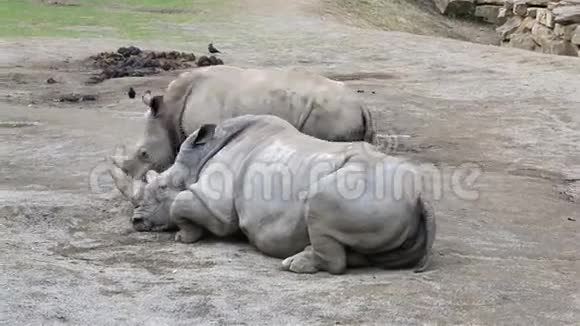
<point>548,26</point>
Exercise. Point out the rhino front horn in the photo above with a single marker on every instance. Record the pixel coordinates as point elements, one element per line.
<point>131,188</point>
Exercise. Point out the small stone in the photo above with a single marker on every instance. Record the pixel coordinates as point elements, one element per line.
<point>88,98</point>
<point>532,12</point>
<point>571,219</point>
<point>51,81</point>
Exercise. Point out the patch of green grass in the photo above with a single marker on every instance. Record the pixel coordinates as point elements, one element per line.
<point>127,19</point>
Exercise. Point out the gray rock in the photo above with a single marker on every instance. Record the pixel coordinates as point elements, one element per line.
<point>545,17</point>
<point>560,47</point>
<point>491,2</point>
<point>532,12</point>
<point>488,13</point>
<point>526,25</point>
<point>567,14</point>
<point>509,6</point>
<point>522,41</point>
<point>510,26</point>
<point>455,7</point>
<point>503,15</point>
<point>538,3</point>
<point>566,32</point>
<point>542,35</point>
<point>576,35</point>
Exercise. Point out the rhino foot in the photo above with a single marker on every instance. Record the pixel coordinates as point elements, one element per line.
<point>188,234</point>
<point>303,262</point>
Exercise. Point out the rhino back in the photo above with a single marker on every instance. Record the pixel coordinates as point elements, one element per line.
<point>272,185</point>
<point>318,106</point>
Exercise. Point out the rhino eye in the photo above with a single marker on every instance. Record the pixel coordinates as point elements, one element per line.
<point>143,154</point>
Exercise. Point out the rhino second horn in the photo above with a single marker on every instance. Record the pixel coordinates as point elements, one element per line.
<point>138,189</point>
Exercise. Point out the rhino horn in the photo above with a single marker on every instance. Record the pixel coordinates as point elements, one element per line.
<point>129,187</point>
<point>117,161</point>
<point>138,189</point>
<point>151,175</point>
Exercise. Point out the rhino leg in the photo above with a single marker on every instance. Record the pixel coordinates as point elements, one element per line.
<point>303,262</point>
<point>325,253</point>
<point>188,233</point>
<point>181,213</point>
<point>192,216</point>
<point>329,253</point>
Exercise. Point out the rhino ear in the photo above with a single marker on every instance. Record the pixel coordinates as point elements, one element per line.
<point>204,134</point>
<point>156,104</point>
<point>153,102</point>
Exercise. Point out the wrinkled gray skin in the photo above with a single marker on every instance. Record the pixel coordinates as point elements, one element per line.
<point>317,106</point>
<point>219,185</point>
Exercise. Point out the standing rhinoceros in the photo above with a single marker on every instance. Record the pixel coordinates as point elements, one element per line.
<point>321,205</point>
<point>317,106</point>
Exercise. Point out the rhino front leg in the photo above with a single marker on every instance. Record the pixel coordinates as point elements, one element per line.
<point>182,212</point>
<point>192,216</point>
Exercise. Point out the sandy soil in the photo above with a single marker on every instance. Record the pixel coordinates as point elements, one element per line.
<point>67,254</point>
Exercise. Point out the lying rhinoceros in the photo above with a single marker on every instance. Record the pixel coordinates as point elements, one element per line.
<point>321,205</point>
<point>317,106</point>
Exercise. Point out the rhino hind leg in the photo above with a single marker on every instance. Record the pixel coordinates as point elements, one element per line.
<point>324,254</point>
<point>330,255</point>
<point>303,262</point>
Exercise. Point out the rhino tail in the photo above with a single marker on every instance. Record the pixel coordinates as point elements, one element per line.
<point>427,216</point>
<point>368,124</point>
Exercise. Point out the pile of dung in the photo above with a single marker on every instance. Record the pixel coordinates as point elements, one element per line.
<point>134,62</point>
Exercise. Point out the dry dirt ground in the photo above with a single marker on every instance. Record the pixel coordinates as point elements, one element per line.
<point>68,256</point>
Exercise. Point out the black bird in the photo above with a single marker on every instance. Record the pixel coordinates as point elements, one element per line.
<point>131,93</point>
<point>211,49</point>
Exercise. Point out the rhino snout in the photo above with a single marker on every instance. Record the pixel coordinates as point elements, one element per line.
<point>140,225</point>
